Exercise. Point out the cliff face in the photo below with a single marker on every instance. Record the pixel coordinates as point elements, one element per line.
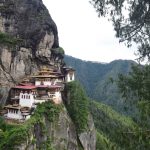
<point>29,40</point>
<point>32,34</point>
<point>60,134</point>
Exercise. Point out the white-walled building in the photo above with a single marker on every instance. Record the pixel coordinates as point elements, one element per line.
<point>22,99</point>
<point>46,85</point>
<point>14,112</point>
<point>69,74</point>
<point>26,99</point>
<point>47,77</point>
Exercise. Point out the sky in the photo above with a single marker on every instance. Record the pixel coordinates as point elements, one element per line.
<point>84,35</point>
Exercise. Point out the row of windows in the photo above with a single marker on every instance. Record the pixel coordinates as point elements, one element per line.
<point>25,96</point>
<point>51,80</point>
<point>13,111</point>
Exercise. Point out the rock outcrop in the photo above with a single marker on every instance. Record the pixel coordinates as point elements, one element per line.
<point>63,135</point>
<point>29,40</point>
<point>32,35</point>
<point>88,138</point>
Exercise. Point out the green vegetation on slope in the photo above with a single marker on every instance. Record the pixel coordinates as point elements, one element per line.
<point>116,131</point>
<point>96,79</point>
<point>12,135</point>
<point>8,40</point>
<point>58,52</point>
<point>103,143</point>
<point>77,105</point>
<point>135,87</point>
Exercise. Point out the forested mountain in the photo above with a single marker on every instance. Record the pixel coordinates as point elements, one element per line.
<point>116,131</point>
<point>97,80</point>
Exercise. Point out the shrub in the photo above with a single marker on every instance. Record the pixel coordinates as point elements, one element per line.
<point>77,105</point>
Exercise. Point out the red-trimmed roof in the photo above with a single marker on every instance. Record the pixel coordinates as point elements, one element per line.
<point>26,87</point>
<point>41,86</point>
<point>50,87</point>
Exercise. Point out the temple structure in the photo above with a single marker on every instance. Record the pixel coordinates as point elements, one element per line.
<point>46,85</point>
<point>69,74</point>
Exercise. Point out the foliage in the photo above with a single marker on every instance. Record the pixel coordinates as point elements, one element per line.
<point>103,143</point>
<point>12,135</point>
<point>116,131</point>
<point>136,87</point>
<point>137,83</point>
<point>47,145</point>
<point>58,51</point>
<point>6,39</point>
<point>97,81</point>
<point>131,20</point>
<point>77,105</point>
<point>48,109</point>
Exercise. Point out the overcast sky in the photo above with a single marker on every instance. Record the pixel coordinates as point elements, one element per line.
<point>83,35</point>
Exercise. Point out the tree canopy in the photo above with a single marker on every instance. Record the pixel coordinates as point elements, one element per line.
<point>131,20</point>
<point>77,105</point>
<point>136,84</point>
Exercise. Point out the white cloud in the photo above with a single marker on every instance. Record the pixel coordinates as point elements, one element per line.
<point>83,35</point>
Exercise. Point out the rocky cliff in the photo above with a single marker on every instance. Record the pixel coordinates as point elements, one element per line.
<point>59,135</point>
<point>28,39</point>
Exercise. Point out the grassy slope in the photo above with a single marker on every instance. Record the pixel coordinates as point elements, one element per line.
<point>115,131</point>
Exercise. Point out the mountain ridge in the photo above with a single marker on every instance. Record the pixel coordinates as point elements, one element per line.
<point>96,79</point>
<point>99,62</point>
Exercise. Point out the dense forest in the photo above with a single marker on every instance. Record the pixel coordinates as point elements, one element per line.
<point>98,81</point>
<point>124,123</point>
<point>116,131</point>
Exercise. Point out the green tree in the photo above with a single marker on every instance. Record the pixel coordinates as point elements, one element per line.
<point>135,87</point>
<point>131,20</point>
<point>136,84</point>
<point>77,105</point>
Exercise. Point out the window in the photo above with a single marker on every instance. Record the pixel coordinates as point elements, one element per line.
<point>71,76</point>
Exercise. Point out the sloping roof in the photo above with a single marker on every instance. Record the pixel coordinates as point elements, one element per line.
<point>45,76</point>
<point>13,107</point>
<point>26,87</point>
<point>68,69</point>
<point>50,87</point>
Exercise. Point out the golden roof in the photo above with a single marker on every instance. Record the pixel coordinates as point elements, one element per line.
<point>45,76</point>
<point>46,69</point>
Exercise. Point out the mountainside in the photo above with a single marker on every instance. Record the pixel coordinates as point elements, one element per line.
<point>51,127</point>
<point>116,131</point>
<point>97,80</point>
<point>29,42</point>
<point>28,39</point>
